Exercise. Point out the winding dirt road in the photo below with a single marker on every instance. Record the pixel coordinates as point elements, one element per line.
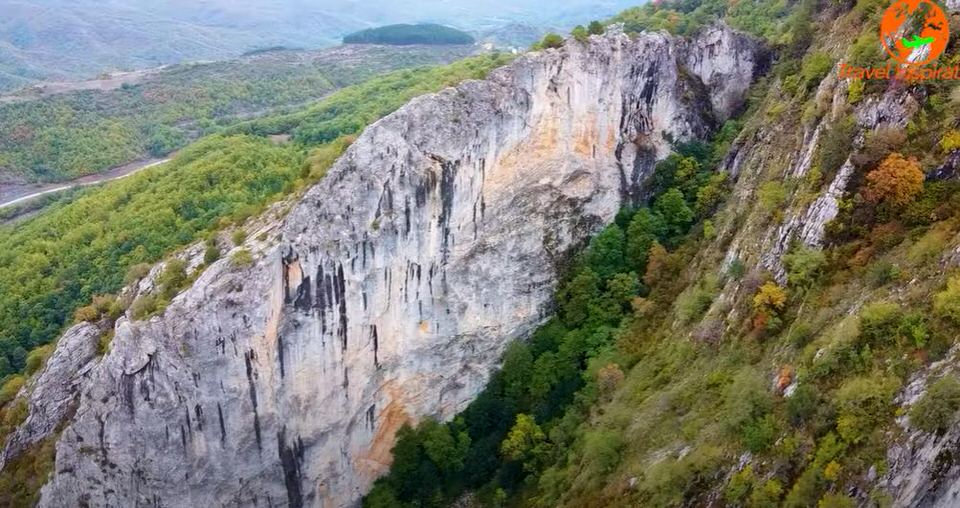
<point>15,195</point>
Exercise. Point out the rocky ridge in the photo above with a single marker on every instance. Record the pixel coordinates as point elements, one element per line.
<point>388,293</point>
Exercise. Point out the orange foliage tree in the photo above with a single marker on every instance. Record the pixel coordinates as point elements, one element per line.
<point>897,181</point>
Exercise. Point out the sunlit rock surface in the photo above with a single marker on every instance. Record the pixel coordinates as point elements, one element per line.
<point>392,288</point>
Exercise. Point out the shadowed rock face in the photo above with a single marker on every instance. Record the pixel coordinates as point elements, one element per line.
<point>393,286</point>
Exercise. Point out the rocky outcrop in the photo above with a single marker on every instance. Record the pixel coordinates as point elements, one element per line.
<point>807,224</point>
<point>923,469</point>
<point>55,393</point>
<point>393,286</point>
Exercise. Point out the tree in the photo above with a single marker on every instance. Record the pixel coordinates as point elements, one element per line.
<point>174,276</point>
<point>711,194</point>
<point>863,402</point>
<point>446,449</point>
<point>676,214</point>
<point>550,41</point>
<point>934,411</point>
<point>523,440</point>
<point>657,264</point>
<point>596,28</point>
<point>644,230</point>
<point>517,369</point>
<point>577,297</point>
<point>771,196</point>
<point>605,255</point>
<point>212,252</point>
<point>609,378</point>
<point>947,302</point>
<point>896,181</point>
<point>804,265</point>
<point>580,34</point>
<point>770,298</point>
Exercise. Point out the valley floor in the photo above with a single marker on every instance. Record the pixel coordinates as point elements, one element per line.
<point>15,194</point>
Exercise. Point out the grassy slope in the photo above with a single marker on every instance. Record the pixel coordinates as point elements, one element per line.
<point>698,396</point>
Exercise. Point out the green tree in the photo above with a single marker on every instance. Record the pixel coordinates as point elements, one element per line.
<point>550,41</point>
<point>804,265</point>
<point>645,228</point>
<point>675,212</point>
<point>578,296</point>
<point>173,277</point>
<point>861,403</point>
<point>605,255</point>
<point>596,28</point>
<point>517,370</point>
<point>446,449</point>
<point>523,438</point>
<point>580,34</point>
<point>947,302</point>
<point>934,411</point>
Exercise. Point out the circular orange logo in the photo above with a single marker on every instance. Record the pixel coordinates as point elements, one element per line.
<point>914,32</point>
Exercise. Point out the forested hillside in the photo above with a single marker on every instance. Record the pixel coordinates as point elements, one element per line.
<point>67,135</point>
<point>79,39</point>
<point>403,35</point>
<point>55,263</point>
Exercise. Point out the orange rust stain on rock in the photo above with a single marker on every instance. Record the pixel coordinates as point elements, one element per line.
<point>376,460</point>
<point>586,139</point>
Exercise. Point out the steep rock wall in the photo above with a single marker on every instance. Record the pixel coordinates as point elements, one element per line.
<point>390,291</point>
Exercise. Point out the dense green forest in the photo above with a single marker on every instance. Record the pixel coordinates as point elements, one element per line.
<point>73,134</point>
<point>403,35</point>
<point>54,263</point>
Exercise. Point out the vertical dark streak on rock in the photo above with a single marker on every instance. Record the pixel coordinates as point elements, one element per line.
<point>341,291</point>
<point>223,429</point>
<point>376,347</point>
<point>198,416</point>
<point>248,357</point>
<point>280,355</point>
<point>371,417</point>
<point>290,459</point>
<point>186,414</point>
<point>304,299</point>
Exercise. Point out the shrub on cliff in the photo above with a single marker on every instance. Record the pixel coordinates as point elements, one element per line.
<point>549,41</point>
<point>946,303</point>
<point>896,181</point>
<point>934,411</point>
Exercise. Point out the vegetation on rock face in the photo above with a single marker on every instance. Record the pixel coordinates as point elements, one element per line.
<point>528,415</point>
<point>402,35</point>
<point>667,362</point>
<point>896,181</point>
<point>55,263</point>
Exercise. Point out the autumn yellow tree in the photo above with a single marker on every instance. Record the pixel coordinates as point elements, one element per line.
<point>896,181</point>
<point>769,301</point>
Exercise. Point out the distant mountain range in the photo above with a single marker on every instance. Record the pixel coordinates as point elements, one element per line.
<point>70,39</point>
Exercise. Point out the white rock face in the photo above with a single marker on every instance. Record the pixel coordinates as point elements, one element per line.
<point>397,284</point>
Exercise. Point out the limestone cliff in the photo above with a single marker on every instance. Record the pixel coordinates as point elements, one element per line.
<point>388,293</point>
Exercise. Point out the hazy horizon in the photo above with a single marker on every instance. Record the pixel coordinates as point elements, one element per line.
<point>61,39</point>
